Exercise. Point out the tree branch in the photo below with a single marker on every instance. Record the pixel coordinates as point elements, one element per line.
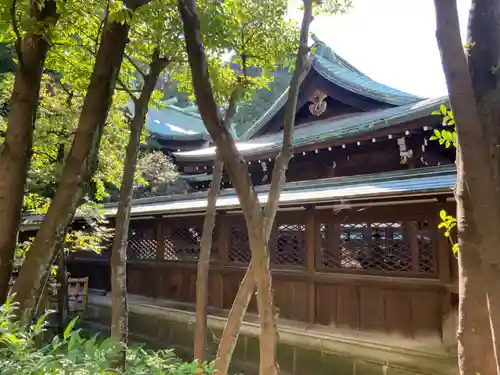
<point>16,31</point>
<point>139,70</point>
<point>124,87</point>
<point>280,167</point>
<point>232,106</point>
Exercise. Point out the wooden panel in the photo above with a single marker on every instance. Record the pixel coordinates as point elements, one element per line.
<point>290,298</point>
<point>215,290</point>
<point>371,309</point>
<point>425,313</point>
<point>397,307</point>
<point>348,307</point>
<point>326,304</point>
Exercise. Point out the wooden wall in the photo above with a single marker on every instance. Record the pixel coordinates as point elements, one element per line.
<point>382,269</point>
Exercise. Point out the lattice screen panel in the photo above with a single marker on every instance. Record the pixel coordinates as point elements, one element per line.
<point>377,247</point>
<point>239,249</point>
<point>290,245</point>
<point>426,262</point>
<point>142,243</point>
<point>183,243</point>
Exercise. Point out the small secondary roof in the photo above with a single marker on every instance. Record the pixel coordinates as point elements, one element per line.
<point>175,123</point>
<point>407,183</point>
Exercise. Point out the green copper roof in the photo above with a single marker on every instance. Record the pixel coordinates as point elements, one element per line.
<point>177,124</point>
<point>338,71</point>
<point>407,183</point>
<point>332,129</point>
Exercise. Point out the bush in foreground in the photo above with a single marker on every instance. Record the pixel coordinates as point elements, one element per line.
<point>25,350</point>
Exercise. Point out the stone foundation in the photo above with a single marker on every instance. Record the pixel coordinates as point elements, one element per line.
<point>300,352</point>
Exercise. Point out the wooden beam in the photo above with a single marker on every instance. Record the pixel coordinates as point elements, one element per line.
<point>311,241</point>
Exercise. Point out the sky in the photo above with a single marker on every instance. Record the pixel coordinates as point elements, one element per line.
<point>391,41</point>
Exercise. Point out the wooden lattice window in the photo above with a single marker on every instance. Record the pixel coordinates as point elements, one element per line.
<point>290,248</point>
<point>383,246</point>
<point>239,249</point>
<point>142,242</point>
<point>183,243</point>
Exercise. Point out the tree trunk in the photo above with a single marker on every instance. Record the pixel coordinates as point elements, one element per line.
<point>231,330</point>
<point>92,118</point>
<point>479,208</point>
<point>475,349</point>
<point>119,322</point>
<point>484,58</point>
<point>256,219</point>
<point>204,262</point>
<point>16,150</point>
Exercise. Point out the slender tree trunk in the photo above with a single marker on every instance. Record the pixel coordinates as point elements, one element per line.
<point>93,116</point>
<point>232,329</point>
<point>16,150</point>
<point>256,219</point>
<point>204,262</point>
<point>119,322</point>
<point>477,195</point>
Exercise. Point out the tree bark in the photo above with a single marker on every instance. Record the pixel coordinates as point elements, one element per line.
<point>119,318</point>
<point>478,216</point>
<point>484,62</point>
<point>204,262</point>
<point>475,348</point>
<point>92,118</point>
<point>16,150</point>
<point>255,217</point>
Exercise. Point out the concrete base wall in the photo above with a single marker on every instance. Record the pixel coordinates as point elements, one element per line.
<point>299,352</point>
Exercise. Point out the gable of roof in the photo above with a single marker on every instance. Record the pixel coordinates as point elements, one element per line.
<point>338,71</point>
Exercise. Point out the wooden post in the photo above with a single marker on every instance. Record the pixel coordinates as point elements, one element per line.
<point>160,254</point>
<point>410,231</point>
<point>311,263</point>
<point>443,254</point>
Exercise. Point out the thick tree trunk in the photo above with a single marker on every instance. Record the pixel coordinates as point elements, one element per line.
<point>93,116</point>
<point>478,210</point>
<point>475,348</point>
<point>204,262</point>
<point>484,58</point>
<point>119,322</point>
<point>16,150</point>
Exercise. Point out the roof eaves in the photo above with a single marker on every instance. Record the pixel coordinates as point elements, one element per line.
<point>433,180</point>
<point>375,120</point>
<point>361,84</point>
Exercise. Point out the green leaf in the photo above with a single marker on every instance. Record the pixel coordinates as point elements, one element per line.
<point>442,215</point>
<point>69,328</point>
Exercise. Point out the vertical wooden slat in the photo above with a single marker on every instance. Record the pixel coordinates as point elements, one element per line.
<point>160,256</point>
<point>411,240</point>
<point>224,232</point>
<point>160,240</point>
<point>311,241</point>
<point>334,239</point>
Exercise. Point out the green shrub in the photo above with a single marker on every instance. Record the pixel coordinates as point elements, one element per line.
<point>30,350</point>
